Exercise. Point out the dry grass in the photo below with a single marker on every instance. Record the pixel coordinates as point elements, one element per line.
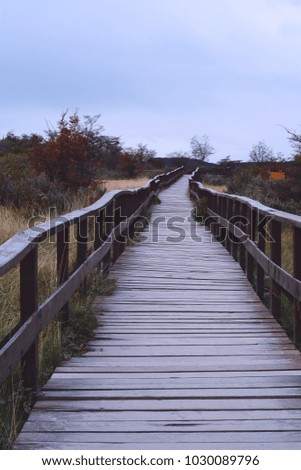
<point>110,185</point>
<point>221,188</point>
<point>12,221</point>
<point>287,249</point>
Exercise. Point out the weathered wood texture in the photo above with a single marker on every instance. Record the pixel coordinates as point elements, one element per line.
<point>112,216</point>
<point>185,356</point>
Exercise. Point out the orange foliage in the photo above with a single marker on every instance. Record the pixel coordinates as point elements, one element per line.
<point>277,175</point>
<point>69,154</point>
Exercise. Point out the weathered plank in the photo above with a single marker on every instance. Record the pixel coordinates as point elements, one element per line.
<point>49,445</point>
<point>192,437</point>
<point>131,426</point>
<point>177,416</point>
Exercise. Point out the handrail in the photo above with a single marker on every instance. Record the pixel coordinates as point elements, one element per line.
<point>281,216</point>
<point>112,215</point>
<point>247,228</point>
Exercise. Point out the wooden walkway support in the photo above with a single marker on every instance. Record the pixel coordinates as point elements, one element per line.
<point>185,357</point>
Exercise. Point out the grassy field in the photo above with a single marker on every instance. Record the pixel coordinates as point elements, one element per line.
<point>110,185</point>
<point>222,188</point>
<point>12,220</point>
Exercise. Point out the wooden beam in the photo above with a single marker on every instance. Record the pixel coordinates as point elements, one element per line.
<point>28,305</point>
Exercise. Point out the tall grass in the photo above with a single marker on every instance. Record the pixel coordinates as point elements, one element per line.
<point>122,184</point>
<point>222,188</point>
<point>12,220</point>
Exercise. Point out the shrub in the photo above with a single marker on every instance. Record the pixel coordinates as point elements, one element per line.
<point>69,154</point>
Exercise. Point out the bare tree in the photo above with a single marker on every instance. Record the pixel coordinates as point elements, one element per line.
<point>201,148</point>
<point>178,154</point>
<point>142,153</point>
<point>295,140</point>
<point>261,153</point>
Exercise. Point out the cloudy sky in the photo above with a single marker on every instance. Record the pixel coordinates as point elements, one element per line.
<point>158,71</point>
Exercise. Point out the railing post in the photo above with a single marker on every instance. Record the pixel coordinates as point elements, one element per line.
<point>276,257</point>
<point>228,217</point>
<point>98,232</point>
<point>242,249</point>
<point>108,228</point>
<point>236,213</point>
<point>62,264</point>
<point>252,234</point>
<point>297,275</point>
<point>28,305</point>
<point>119,215</point>
<point>215,223</point>
<point>224,215</point>
<point>82,246</point>
<point>261,247</point>
<point>209,198</point>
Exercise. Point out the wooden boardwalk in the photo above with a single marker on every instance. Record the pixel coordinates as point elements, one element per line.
<point>185,357</point>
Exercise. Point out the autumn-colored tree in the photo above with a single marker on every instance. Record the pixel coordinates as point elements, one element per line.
<point>128,165</point>
<point>133,161</point>
<point>110,148</point>
<point>70,153</point>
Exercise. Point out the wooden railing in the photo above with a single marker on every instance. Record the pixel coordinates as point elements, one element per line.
<point>112,216</point>
<point>253,233</point>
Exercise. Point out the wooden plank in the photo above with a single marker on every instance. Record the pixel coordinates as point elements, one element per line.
<point>96,383</point>
<point>252,367</point>
<point>170,405</point>
<point>164,437</point>
<point>191,351</point>
<point>108,426</point>
<point>279,341</point>
<point>184,375</point>
<point>177,416</point>
<point>171,394</point>
<point>49,445</point>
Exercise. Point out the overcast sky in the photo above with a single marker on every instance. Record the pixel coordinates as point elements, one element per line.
<point>158,71</point>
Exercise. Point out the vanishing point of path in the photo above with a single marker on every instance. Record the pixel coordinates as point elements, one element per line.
<point>185,357</point>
